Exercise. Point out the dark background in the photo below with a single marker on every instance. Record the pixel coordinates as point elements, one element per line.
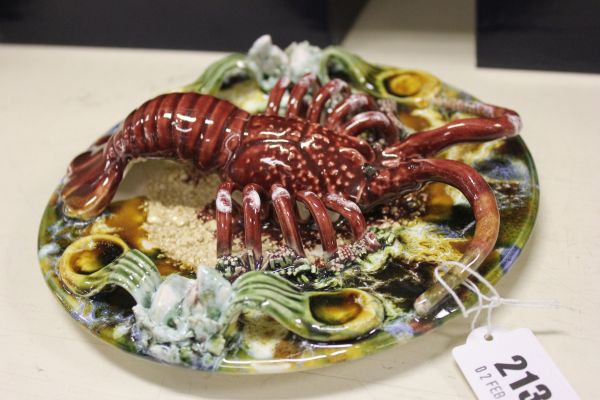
<point>533,34</point>
<point>225,25</point>
<point>561,35</point>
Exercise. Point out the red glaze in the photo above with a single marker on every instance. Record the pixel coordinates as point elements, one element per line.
<point>186,126</point>
<point>299,156</point>
<point>284,209</point>
<point>283,159</point>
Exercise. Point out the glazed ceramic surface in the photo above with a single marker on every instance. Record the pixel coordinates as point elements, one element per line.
<point>144,273</point>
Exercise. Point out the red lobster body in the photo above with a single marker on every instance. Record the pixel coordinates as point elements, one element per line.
<point>303,156</point>
<point>300,156</point>
<point>213,134</point>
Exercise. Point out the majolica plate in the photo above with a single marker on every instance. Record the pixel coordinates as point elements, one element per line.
<point>145,277</point>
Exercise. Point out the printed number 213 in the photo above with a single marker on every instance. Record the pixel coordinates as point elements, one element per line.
<point>520,363</point>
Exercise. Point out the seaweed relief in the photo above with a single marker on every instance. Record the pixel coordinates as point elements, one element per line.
<point>499,363</point>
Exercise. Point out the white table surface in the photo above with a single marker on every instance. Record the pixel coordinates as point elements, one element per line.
<point>55,100</point>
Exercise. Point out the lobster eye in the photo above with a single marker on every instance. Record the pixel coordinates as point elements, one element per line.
<point>403,84</point>
<point>369,171</point>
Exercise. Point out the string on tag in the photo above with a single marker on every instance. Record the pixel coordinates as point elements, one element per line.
<point>492,301</point>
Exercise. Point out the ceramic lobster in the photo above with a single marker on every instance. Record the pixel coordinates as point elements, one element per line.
<point>306,155</point>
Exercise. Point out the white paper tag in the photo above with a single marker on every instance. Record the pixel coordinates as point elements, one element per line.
<point>512,365</point>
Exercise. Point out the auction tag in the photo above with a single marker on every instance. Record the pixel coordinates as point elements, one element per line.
<point>510,365</point>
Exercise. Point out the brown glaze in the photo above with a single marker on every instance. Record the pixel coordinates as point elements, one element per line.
<point>308,155</point>
<point>335,308</point>
<point>126,218</point>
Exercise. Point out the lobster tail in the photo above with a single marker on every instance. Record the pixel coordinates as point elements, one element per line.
<point>190,127</point>
<point>487,221</point>
<point>90,184</point>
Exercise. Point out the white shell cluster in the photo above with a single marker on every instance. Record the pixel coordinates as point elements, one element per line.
<point>269,62</point>
<point>184,322</point>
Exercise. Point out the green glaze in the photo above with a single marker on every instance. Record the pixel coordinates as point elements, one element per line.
<point>413,88</point>
<point>84,274</point>
<point>321,316</point>
<point>211,80</point>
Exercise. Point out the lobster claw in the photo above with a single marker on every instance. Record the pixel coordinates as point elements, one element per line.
<point>485,210</point>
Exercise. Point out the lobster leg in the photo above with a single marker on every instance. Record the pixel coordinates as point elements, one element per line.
<point>496,123</point>
<point>285,215</point>
<point>372,120</point>
<point>296,103</point>
<point>350,211</point>
<point>224,205</point>
<point>319,214</point>
<point>350,105</point>
<point>252,225</point>
<point>276,95</point>
<point>485,210</point>
<point>330,89</point>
